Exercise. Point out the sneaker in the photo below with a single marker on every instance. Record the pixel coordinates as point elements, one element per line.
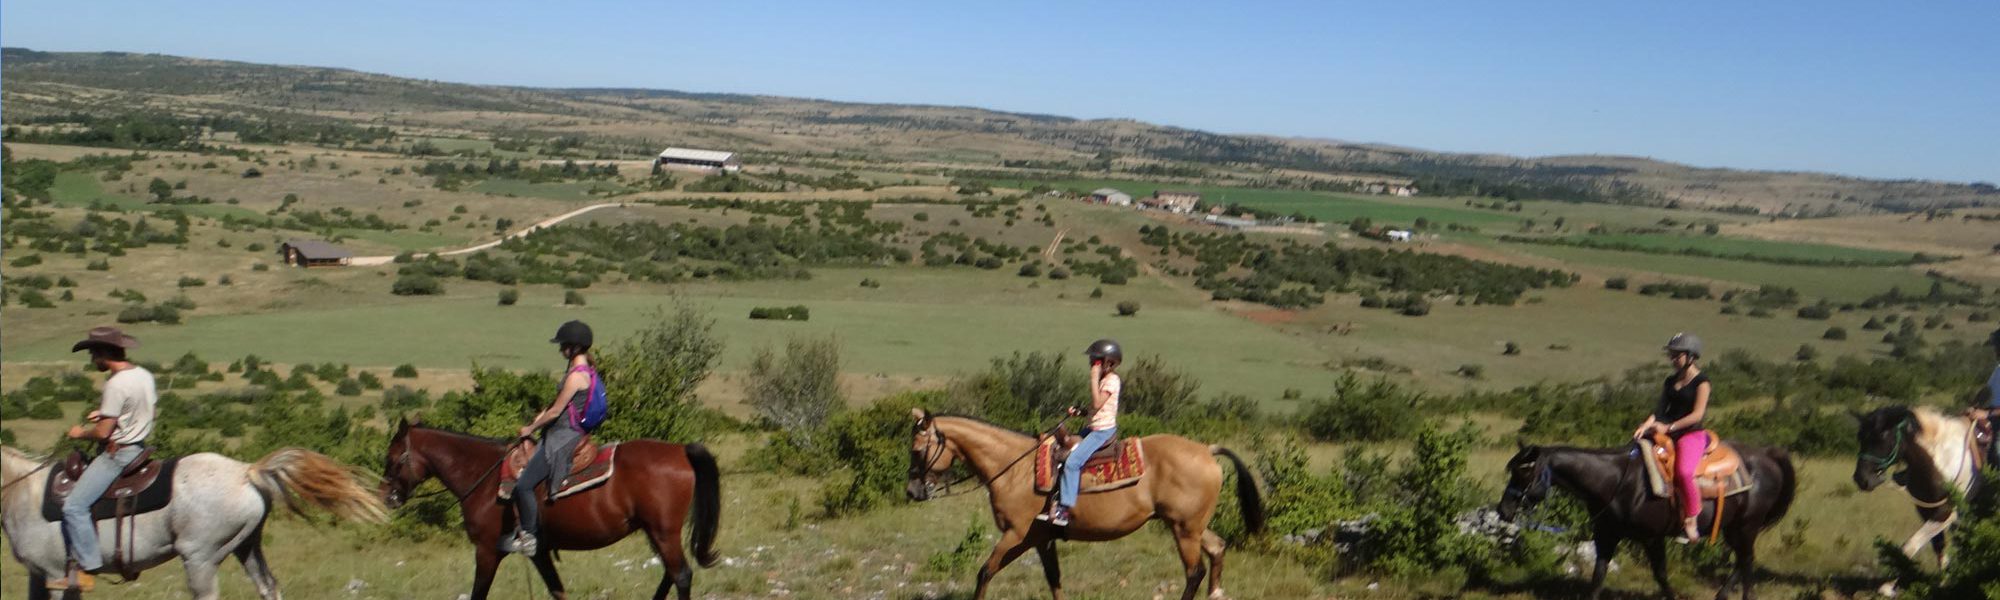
<point>1059,517</point>
<point>521,543</point>
<point>78,580</point>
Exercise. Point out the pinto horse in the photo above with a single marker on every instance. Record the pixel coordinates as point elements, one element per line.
<point>1611,482</point>
<point>655,487</point>
<point>1180,487</point>
<point>1939,459</point>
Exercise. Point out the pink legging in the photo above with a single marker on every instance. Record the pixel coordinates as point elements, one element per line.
<point>1687,455</point>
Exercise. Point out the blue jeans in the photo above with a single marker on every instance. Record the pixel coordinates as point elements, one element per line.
<point>1072,473</point>
<point>78,528</point>
<point>551,463</point>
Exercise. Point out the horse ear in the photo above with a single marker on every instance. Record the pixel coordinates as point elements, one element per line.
<point>416,419</point>
<point>1520,443</point>
<point>919,414</point>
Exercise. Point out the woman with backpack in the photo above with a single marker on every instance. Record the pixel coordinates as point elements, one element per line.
<point>562,426</point>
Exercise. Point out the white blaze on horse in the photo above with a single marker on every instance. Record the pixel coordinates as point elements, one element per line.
<point>1940,456</point>
<point>216,510</point>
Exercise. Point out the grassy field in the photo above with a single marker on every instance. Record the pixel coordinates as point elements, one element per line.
<point>573,190</point>
<point>1732,246</point>
<point>1838,283</point>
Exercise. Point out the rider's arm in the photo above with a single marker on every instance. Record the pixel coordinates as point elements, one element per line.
<point>1693,416</point>
<point>576,381</point>
<point>99,431</point>
<point>1646,426</point>
<point>1097,394</point>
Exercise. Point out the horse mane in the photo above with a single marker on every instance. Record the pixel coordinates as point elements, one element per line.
<point>459,435</point>
<point>1580,450</point>
<point>981,421</point>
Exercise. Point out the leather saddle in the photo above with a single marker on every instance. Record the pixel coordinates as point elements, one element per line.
<point>1066,440</point>
<point>144,486</point>
<point>1715,475</point>
<point>589,465</point>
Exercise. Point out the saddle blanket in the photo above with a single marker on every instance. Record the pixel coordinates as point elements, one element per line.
<point>580,479</point>
<point>1100,475</point>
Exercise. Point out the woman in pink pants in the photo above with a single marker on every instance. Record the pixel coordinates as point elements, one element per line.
<point>1683,403</point>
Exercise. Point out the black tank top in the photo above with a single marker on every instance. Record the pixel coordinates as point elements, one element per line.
<point>1676,404</point>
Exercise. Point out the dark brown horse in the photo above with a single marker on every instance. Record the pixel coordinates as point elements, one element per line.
<point>655,488</point>
<point>1611,483</point>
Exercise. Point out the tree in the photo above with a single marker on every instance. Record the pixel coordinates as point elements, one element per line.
<point>1835,333</point>
<point>650,378</point>
<point>160,189</point>
<point>573,298</point>
<point>1513,349</point>
<point>509,296</point>
<point>417,284</point>
<point>799,391</point>
<point>1712,229</point>
<point>1127,308</point>
<point>1806,353</point>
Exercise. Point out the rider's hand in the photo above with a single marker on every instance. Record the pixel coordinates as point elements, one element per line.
<point>527,432</point>
<point>93,415</point>
<point>76,432</point>
<point>1073,411</point>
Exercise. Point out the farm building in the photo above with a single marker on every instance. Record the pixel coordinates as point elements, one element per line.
<point>1111,196</point>
<point>1232,223</point>
<point>1177,201</point>
<point>700,160</point>
<point>313,253</point>
<point>1399,235</point>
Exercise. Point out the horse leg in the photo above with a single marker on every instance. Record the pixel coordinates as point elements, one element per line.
<point>1656,556</point>
<point>1607,546</point>
<point>1213,546</point>
<point>1189,544</point>
<point>1010,547</point>
<point>251,554</point>
<point>485,562</point>
<point>201,580</point>
<point>1051,569</point>
<point>1744,544</point>
<point>545,564</point>
<point>38,587</point>
<point>676,573</point>
<point>1941,542</point>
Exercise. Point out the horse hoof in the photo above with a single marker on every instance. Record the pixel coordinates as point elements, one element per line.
<point>1216,594</point>
<point>1888,590</point>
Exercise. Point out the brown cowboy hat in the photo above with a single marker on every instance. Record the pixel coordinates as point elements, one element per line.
<point>106,336</point>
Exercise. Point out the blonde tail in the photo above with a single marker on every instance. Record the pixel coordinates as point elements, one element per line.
<point>293,475</point>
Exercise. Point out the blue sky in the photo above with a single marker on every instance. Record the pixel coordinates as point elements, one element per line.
<point>1877,89</point>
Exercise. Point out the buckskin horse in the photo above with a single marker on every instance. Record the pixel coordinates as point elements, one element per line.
<point>216,509</point>
<point>1939,459</point>
<point>654,486</point>
<point>1611,482</point>
<point>1180,487</point>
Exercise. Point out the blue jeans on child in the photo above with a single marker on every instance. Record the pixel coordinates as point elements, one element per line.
<point>1072,473</point>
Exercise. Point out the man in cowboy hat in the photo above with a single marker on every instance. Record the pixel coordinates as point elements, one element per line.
<point>121,422</point>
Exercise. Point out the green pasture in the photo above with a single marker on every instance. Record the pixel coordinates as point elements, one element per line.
<point>80,189</point>
<point>568,190</point>
<point>1733,246</point>
<point>1839,283</point>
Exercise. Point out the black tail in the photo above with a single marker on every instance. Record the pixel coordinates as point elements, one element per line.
<point>1788,489</point>
<point>1248,500</point>
<point>707,514</point>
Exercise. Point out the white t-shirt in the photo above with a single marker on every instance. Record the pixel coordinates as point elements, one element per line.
<point>129,397</point>
<point>1107,417</point>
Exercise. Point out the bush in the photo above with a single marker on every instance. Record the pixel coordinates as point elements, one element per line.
<point>1058,273</point>
<point>1357,411</point>
<point>572,298</point>
<point>368,380</point>
<point>1031,270</point>
<point>188,282</point>
<point>1096,293</point>
<point>870,283</point>
<point>1112,278</point>
<point>798,391</point>
<point>225,280</point>
<point>417,284</point>
<point>165,314</point>
<point>509,296</point>
<point>348,387</point>
<point>1816,312</point>
<point>1512,349</point>
<point>1416,306</point>
<point>1471,371</point>
<point>1874,324</point>
<point>1127,308</point>
<point>403,371</point>
<point>1615,283</point>
<point>1834,333</point>
<point>781,313</point>
<point>102,264</point>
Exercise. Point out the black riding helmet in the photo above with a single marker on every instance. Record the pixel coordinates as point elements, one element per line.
<point>573,333</point>
<point>1106,350</point>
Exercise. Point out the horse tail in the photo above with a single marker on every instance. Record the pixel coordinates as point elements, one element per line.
<point>1248,500</point>
<point>294,475</point>
<point>707,514</point>
<point>1787,489</point>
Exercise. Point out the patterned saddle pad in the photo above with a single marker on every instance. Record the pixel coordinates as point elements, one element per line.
<point>1101,474</point>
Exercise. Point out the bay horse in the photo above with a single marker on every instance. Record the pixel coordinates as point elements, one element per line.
<point>1180,487</point>
<point>1938,459</point>
<point>217,510</point>
<point>654,486</point>
<point>1611,482</point>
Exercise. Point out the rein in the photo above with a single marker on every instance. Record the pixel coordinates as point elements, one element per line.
<point>1895,452</point>
<point>938,442</point>
<point>25,476</point>
<point>405,459</point>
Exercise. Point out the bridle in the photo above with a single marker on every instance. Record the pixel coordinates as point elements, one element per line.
<point>1527,496</point>
<point>1882,464</point>
<point>404,461</point>
<point>923,470</point>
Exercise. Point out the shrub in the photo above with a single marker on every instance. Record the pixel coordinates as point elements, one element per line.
<point>225,280</point>
<point>1471,371</point>
<point>870,284</point>
<point>1097,293</point>
<point>260,267</point>
<point>165,314</point>
<point>572,298</point>
<point>1816,312</point>
<point>1806,353</point>
<point>781,313</point>
<point>1031,270</point>
<point>188,282</point>
<point>1615,283</point>
<point>368,380</point>
<point>26,261</point>
<point>1358,411</point>
<point>348,387</point>
<point>1058,273</point>
<point>33,298</point>
<point>403,371</point>
<point>1127,308</point>
<point>1874,324</point>
<point>509,296</point>
<point>102,264</point>
<point>1730,309</point>
<point>1416,306</point>
<point>798,391</point>
<point>1112,278</point>
<point>417,284</point>
<point>1512,349</point>
<point>1834,333</point>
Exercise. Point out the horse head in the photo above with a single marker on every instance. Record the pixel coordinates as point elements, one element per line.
<point>930,457</point>
<point>403,468</point>
<point>1528,478</point>
<point>1881,434</point>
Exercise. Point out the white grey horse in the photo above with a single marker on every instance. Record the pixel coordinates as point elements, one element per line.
<point>218,510</point>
